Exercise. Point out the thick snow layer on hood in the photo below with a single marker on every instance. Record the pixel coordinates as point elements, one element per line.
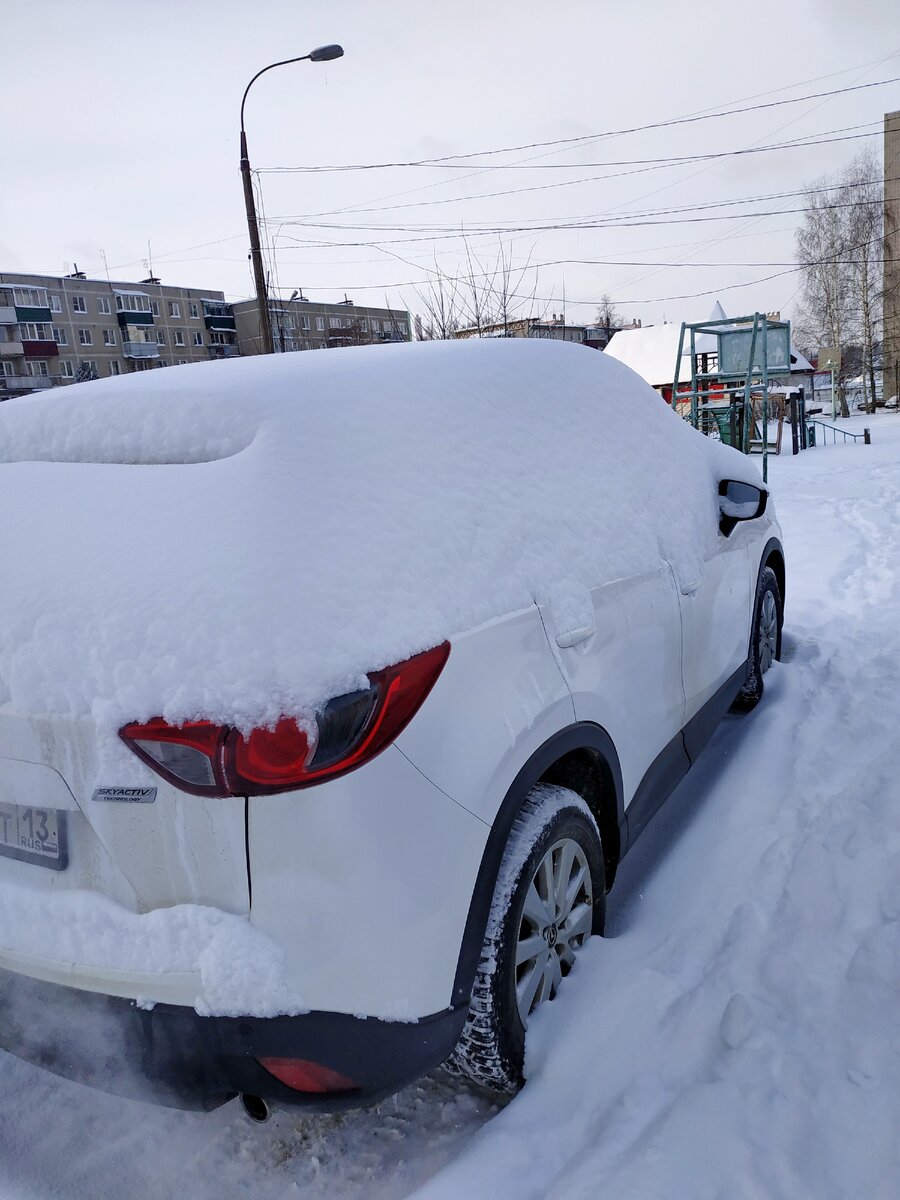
<point>243,539</point>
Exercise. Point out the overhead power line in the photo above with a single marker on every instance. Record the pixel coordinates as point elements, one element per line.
<point>447,160</point>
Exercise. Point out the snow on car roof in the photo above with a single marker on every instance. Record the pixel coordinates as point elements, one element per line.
<point>246,538</point>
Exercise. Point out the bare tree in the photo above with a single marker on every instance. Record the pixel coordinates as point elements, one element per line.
<point>865,223</point>
<point>487,297</point>
<point>838,252</point>
<point>607,317</point>
<point>441,310</point>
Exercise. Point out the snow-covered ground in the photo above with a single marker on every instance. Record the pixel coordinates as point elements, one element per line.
<point>738,1035</point>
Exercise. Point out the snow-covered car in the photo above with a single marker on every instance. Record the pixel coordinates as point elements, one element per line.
<point>333,690</point>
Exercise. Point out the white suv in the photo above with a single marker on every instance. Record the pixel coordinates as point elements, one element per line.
<point>333,690</point>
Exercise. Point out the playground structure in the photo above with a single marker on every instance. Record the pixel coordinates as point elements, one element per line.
<point>729,394</point>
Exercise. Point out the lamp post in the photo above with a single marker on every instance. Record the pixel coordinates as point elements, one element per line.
<point>320,54</point>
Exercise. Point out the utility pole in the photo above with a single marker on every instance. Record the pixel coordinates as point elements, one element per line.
<point>259,277</point>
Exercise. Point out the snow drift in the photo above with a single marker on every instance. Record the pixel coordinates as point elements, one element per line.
<point>244,539</point>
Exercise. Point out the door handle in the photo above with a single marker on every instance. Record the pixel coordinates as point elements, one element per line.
<point>573,636</point>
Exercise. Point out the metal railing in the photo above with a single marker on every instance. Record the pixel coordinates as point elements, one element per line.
<point>865,437</point>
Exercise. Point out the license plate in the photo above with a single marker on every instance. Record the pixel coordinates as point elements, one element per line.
<point>35,835</point>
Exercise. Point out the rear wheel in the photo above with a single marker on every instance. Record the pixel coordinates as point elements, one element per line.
<point>765,643</point>
<point>549,899</point>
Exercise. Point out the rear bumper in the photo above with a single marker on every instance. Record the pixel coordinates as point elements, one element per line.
<point>170,1055</point>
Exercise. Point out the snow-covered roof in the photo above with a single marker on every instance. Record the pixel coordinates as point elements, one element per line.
<point>652,350</point>
<point>245,538</point>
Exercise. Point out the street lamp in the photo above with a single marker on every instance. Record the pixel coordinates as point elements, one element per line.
<point>320,54</point>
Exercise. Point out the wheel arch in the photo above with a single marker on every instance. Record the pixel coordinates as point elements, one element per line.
<point>773,556</point>
<point>581,757</point>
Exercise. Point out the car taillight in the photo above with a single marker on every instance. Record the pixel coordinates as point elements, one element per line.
<point>305,1076</point>
<point>217,760</point>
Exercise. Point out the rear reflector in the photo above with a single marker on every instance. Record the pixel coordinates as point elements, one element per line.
<point>217,760</point>
<point>301,1075</point>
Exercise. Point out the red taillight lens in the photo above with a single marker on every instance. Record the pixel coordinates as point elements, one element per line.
<point>216,760</point>
<point>187,755</point>
<point>305,1076</point>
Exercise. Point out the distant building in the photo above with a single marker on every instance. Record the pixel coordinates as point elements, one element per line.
<point>59,329</point>
<point>891,354</point>
<point>556,329</point>
<point>301,324</point>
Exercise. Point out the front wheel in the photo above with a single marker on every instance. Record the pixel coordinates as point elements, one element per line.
<point>765,642</point>
<point>549,898</point>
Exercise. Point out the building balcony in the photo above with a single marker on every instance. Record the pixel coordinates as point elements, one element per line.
<point>219,322</point>
<point>27,383</point>
<point>11,349</point>
<point>8,315</point>
<point>139,319</point>
<point>30,313</point>
<point>223,351</point>
<point>39,349</point>
<point>140,349</point>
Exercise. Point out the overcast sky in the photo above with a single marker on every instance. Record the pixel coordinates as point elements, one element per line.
<point>121,127</point>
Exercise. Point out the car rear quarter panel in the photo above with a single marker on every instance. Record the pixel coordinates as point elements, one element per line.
<point>500,697</point>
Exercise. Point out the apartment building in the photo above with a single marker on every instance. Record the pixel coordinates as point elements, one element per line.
<point>301,324</point>
<point>59,329</point>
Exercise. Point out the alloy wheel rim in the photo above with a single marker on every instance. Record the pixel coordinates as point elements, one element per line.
<point>556,921</point>
<point>768,632</point>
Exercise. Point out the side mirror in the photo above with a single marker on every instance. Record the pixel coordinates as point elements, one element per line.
<point>739,502</point>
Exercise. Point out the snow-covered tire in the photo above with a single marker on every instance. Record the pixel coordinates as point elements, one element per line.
<point>555,838</point>
<point>765,639</point>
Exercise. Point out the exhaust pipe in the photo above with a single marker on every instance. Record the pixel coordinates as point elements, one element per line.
<point>256,1108</point>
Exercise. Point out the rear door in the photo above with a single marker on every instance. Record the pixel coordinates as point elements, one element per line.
<point>622,659</point>
<point>715,613</point>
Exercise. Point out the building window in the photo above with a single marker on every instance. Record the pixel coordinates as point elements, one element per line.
<point>304,322</point>
<point>198,338</point>
<point>154,307</point>
<point>179,337</point>
<point>114,368</point>
<point>376,326</point>
<point>103,305</point>
<point>160,337</point>
<point>174,308</point>
<point>163,362</point>
<point>36,331</point>
<point>182,362</point>
<point>132,302</point>
<point>109,337</point>
<point>88,369</point>
<point>55,305</point>
<point>320,324</point>
<point>85,338</point>
<point>195,310</point>
<point>334,322</point>
<point>37,367</point>
<point>78,304</point>
<point>364,325</point>
<point>25,297</point>
<point>6,367</point>
<point>66,369</point>
<point>60,336</point>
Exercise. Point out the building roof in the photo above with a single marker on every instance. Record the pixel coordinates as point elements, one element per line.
<point>651,352</point>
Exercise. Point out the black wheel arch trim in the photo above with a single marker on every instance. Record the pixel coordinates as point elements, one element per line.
<point>583,735</point>
<point>773,546</point>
